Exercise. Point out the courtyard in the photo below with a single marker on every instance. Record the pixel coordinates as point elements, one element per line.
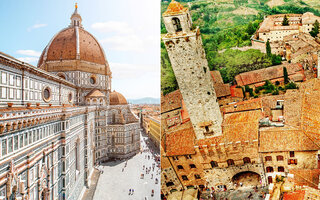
<point>117,177</point>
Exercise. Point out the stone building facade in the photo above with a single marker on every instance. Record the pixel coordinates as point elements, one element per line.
<point>58,120</point>
<point>188,60</point>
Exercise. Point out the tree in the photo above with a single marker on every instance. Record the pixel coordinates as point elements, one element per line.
<point>250,30</point>
<point>315,30</point>
<point>285,75</point>
<point>285,21</point>
<point>268,49</point>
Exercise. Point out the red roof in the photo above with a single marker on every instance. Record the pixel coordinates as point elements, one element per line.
<point>180,142</point>
<point>296,195</point>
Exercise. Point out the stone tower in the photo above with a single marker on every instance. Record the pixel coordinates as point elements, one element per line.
<point>188,60</point>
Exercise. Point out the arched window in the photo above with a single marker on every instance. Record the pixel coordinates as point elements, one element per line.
<point>269,169</point>
<point>213,164</point>
<point>279,158</point>
<point>77,155</point>
<point>246,160</point>
<point>113,118</point>
<point>230,162</point>
<point>112,140</point>
<point>280,169</point>
<point>132,138</point>
<point>176,24</point>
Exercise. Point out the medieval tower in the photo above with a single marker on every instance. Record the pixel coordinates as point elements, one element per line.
<point>188,60</point>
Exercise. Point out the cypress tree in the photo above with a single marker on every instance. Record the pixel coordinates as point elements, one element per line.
<point>285,21</point>
<point>268,49</point>
<point>285,75</point>
<point>315,30</point>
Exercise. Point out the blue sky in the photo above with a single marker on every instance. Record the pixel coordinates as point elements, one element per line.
<point>128,30</point>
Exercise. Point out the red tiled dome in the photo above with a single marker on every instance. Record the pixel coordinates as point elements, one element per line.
<point>63,46</point>
<point>117,99</point>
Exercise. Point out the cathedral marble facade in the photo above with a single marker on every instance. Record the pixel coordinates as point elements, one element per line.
<point>61,118</point>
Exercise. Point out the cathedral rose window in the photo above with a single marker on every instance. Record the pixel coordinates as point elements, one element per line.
<point>46,94</point>
<point>92,80</point>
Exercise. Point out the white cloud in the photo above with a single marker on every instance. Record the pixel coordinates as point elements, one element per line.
<point>29,59</point>
<point>29,53</point>
<point>36,26</point>
<point>124,43</point>
<point>112,26</point>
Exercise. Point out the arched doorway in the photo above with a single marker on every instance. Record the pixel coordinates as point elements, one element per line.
<point>246,179</point>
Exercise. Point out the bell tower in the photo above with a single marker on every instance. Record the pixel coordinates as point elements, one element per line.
<point>187,56</point>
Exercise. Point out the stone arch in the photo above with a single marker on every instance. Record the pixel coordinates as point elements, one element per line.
<point>246,179</point>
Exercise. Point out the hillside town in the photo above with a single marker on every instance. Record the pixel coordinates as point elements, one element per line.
<point>256,138</point>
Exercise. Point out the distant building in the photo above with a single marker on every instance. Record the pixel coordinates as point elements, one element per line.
<point>271,29</point>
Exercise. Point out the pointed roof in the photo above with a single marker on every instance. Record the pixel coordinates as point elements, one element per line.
<point>175,8</point>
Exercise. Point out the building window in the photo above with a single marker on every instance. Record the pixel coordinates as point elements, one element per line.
<point>70,97</point>
<point>176,24</point>
<point>46,94</point>
<point>268,158</point>
<point>169,184</point>
<point>280,169</point>
<point>230,162</point>
<point>279,158</point>
<point>246,160</point>
<point>197,176</point>
<point>291,154</point>
<point>292,161</point>
<point>93,80</point>
<point>188,156</point>
<point>192,166</point>
<point>269,169</point>
<point>175,158</point>
<point>213,164</point>
<point>184,177</point>
<point>180,167</point>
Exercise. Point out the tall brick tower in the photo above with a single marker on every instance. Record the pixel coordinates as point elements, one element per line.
<point>188,60</point>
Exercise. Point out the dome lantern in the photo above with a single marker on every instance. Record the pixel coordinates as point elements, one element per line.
<point>76,18</point>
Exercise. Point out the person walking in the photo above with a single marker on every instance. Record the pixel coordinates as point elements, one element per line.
<point>129,191</point>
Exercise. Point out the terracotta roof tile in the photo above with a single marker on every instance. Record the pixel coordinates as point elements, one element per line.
<point>241,126</point>
<point>171,101</point>
<point>261,75</point>
<point>306,177</point>
<point>181,141</point>
<point>284,139</point>
<point>252,104</point>
<point>296,195</point>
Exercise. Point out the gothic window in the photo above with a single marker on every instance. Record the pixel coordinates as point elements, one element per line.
<point>279,158</point>
<point>230,162</point>
<point>132,138</point>
<point>246,160</point>
<point>213,164</point>
<point>280,169</point>
<point>113,118</point>
<point>176,24</point>
<point>269,169</point>
<point>77,155</point>
<point>113,140</point>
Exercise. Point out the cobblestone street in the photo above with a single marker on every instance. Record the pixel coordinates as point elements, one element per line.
<point>118,177</point>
